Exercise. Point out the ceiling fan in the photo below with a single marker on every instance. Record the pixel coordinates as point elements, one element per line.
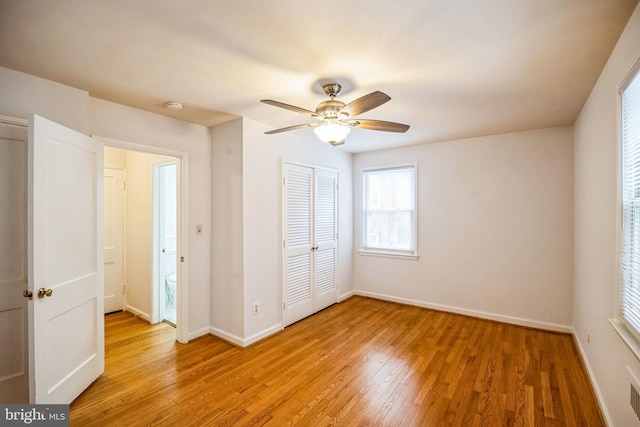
<point>338,117</point>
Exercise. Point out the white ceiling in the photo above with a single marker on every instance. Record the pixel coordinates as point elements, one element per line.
<point>453,69</point>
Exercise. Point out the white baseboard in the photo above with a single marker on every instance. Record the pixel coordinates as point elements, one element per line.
<point>198,333</point>
<point>136,312</point>
<point>594,382</point>
<point>473,313</point>
<point>244,342</point>
<point>262,334</point>
<point>233,339</point>
<point>346,295</point>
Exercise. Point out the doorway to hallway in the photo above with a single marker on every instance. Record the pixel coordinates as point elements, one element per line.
<point>150,277</point>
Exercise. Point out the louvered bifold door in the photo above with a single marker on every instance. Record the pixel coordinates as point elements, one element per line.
<point>297,199</point>
<point>326,229</point>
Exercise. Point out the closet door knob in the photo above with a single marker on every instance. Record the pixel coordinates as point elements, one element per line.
<point>42,292</point>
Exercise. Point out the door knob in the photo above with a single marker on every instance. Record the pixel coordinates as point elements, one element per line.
<point>42,292</point>
<point>27,294</point>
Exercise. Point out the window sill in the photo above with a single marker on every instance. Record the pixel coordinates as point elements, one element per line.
<point>629,339</point>
<point>389,255</point>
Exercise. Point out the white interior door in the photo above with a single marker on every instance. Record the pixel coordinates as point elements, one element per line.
<point>114,290</point>
<point>14,372</point>
<point>66,270</point>
<point>297,243</point>
<point>326,238</point>
<point>310,228</point>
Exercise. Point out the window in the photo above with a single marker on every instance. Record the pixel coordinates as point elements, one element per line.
<point>389,210</point>
<point>630,183</point>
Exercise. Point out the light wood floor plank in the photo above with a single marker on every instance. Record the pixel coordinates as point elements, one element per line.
<point>360,362</point>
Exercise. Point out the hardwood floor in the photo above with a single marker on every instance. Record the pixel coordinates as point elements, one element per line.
<point>360,362</point>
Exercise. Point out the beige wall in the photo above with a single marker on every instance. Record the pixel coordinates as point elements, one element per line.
<point>114,121</point>
<point>495,228</point>
<point>139,231</point>
<point>24,95</point>
<point>227,264</point>
<point>597,231</point>
<point>247,239</point>
<point>115,158</point>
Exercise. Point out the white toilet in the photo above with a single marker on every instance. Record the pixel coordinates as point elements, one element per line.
<point>170,289</point>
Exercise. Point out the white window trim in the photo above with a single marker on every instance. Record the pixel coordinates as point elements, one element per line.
<point>630,337</point>
<point>381,252</point>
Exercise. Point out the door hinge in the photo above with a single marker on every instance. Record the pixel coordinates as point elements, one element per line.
<point>284,305</point>
<point>284,243</point>
<point>124,288</point>
<point>124,186</point>
<point>284,180</point>
<point>181,259</point>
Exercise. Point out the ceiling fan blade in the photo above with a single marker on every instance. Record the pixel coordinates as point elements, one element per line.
<point>291,108</point>
<point>291,128</point>
<point>365,103</point>
<point>378,125</point>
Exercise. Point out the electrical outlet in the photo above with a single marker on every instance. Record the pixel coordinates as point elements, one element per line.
<point>588,336</point>
<point>256,308</point>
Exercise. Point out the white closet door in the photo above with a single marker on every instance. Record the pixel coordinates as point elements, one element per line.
<point>298,242</point>
<point>310,229</point>
<point>326,239</point>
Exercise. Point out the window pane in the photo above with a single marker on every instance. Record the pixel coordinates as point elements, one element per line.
<point>388,212</point>
<point>390,189</point>
<point>389,230</point>
<point>630,251</point>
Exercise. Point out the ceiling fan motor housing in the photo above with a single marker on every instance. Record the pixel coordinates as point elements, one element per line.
<point>330,109</point>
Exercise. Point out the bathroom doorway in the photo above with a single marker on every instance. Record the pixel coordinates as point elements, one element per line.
<point>165,239</point>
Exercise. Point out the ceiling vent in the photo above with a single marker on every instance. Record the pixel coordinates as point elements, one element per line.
<point>173,105</point>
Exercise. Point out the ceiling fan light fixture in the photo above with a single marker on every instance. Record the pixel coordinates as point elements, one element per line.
<point>332,132</point>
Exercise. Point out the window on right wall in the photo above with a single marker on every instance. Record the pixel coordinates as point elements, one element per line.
<point>389,211</point>
<point>630,197</point>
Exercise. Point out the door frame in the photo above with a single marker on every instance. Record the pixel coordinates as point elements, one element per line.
<point>282,227</point>
<point>182,250</point>
<point>21,391</point>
